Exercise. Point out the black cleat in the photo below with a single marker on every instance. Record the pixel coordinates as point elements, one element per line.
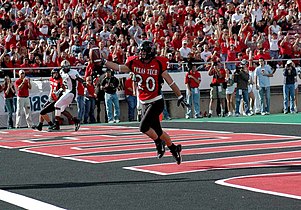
<point>176,153</point>
<point>76,124</point>
<point>139,117</point>
<point>34,127</point>
<point>39,127</point>
<point>160,146</point>
<point>54,127</point>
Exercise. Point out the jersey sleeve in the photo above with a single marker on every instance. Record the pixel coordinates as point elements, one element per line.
<point>74,74</point>
<point>129,59</point>
<point>163,61</point>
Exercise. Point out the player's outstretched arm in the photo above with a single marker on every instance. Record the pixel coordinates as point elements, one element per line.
<point>115,66</point>
<point>175,89</point>
<point>166,76</point>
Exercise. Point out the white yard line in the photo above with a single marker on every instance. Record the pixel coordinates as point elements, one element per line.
<point>25,202</point>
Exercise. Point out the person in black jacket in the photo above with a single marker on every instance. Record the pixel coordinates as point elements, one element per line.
<point>290,77</point>
<point>110,84</point>
<point>241,77</point>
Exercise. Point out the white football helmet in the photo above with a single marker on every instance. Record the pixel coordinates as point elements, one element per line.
<point>65,65</point>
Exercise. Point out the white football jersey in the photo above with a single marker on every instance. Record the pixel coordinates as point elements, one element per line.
<point>69,80</point>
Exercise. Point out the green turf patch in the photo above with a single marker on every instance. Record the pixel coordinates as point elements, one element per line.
<point>272,118</point>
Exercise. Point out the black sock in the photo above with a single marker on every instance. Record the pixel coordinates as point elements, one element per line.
<point>40,124</point>
<point>172,147</point>
<point>157,141</point>
<point>50,123</point>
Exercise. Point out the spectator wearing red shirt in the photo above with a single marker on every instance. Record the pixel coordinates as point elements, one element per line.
<point>90,97</point>
<point>286,47</point>
<point>31,33</point>
<point>262,54</point>
<point>16,59</point>
<point>246,27</point>
<point>158,30</point>
<point>23,86</point>
<point>231,56</point>
<point>6,63</point>
<point>118,53</point>
<point>25,64</point>
<point>170,14</point>
<point>9,92</point>
<point>48,62</point>
<point>176,41</point>
<point>10,39</point>
<point>130,95</point>
<point>296,52</point>
<point>36,67</point>
<point>223,44</point>
<point>263,42</point>
<point>192,81</point>
<point>198,26</point>
<point>218,89</point>
<point>159,40</point>
<point>64,56</point>
<point>80,100</point>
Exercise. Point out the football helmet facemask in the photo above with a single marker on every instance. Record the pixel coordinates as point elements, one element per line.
<point>146,50</point>
<point>53,71</point>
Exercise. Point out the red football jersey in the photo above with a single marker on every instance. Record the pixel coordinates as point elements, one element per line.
<point>148,77</point>
<point>55,85</point>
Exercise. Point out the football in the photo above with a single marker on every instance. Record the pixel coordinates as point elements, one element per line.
<point>95,56</point>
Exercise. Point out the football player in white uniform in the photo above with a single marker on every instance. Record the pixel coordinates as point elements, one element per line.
<point>70,78</point>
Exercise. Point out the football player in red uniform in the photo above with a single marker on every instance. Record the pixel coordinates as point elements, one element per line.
<point>150,71</point>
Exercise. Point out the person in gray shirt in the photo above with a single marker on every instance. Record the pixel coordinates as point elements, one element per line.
<point>262,81</point>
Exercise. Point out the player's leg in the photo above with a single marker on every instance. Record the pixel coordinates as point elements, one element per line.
<point>150,125</point>
<point>48,107</point>
<point>150,114</point>
<point>60,106</point>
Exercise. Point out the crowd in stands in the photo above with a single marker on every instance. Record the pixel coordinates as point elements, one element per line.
<point>35,34</point>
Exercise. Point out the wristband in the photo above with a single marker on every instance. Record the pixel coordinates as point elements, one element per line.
<point>181,96</point>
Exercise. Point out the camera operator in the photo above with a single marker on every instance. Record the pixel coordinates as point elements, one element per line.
<point>241,77</point>
<point>290,77</point>
<point>218,87</point>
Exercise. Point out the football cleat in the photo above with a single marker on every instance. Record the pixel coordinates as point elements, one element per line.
<point>76,124</point>
<point>160,146</point>
<point>176,153</point>
<point>54,127</point>
<point>39,127</point>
